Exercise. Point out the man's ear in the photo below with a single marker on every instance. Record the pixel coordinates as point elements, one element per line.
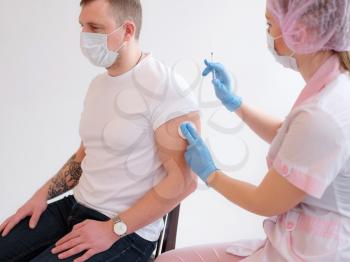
<point>130,30</point>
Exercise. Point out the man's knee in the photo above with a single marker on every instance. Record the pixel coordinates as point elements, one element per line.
<point>11,245</point>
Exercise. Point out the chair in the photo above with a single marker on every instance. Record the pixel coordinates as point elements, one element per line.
<point>167,239</point>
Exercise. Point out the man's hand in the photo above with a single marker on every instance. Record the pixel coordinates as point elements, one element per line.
<point>90,235</point>
<point>34,207</point>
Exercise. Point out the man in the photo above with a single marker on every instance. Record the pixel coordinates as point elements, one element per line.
<point>129,170</point>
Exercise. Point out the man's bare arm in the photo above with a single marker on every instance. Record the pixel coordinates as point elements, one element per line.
<point>64,180</point>
<point>176,186</point>
<point>67,177</point>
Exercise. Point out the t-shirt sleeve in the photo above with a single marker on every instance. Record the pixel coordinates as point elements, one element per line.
<point>176,100</point>
<point>313,152</point>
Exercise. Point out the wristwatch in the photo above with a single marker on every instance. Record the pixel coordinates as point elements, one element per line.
<point>120,228</point>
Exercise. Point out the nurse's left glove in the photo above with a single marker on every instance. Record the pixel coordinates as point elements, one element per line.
<point>223,86</point>
<point>197,155</point>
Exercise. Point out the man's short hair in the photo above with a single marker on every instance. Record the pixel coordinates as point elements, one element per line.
<point>124,10</point>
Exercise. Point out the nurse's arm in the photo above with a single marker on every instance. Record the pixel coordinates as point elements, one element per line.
<point>264,125</point>
<point>274,196</point>
<point>177,184</point>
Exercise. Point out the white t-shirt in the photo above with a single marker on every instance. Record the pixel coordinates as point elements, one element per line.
<point>117,126</point>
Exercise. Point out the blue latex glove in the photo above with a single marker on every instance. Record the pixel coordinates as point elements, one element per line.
<point>197,155</point>
<point>222,84</point>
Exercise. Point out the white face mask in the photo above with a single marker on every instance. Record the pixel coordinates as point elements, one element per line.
<point>94,46</point>
<point>286,61</point>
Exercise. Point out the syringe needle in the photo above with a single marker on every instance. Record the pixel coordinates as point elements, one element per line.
<point>212,60</point>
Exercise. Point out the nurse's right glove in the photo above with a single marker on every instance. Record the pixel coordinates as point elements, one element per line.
<point>197,155</point>
<point>222,84</point>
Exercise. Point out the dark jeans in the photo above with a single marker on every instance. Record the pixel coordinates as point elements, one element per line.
<point>25,244</point>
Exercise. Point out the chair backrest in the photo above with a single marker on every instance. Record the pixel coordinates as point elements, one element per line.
<point>167,239</point>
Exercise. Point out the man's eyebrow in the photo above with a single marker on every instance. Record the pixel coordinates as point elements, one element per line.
<point>92,24</point>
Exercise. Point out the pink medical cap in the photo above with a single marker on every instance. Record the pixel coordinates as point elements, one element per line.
<point>309,26</point>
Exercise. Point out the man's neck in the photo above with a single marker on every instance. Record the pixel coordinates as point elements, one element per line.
<point>129,57</point>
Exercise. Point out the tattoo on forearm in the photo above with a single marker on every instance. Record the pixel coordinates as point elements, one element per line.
<point>67,178</point>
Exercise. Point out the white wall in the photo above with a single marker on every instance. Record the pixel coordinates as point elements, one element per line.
<point>44,78</point>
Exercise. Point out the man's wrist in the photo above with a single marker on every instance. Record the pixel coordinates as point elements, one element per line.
<point>42,192</point>
<point>111,225</point>
<point>120,228</point>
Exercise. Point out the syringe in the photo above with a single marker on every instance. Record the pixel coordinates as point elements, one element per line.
<point>212,60</point>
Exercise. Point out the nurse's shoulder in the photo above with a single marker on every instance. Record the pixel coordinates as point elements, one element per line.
<point>335,101</point>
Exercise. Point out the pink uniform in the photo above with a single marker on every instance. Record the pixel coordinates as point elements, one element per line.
<point>312,151</point>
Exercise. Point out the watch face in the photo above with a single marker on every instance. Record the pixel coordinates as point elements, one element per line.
<point>120,228</point>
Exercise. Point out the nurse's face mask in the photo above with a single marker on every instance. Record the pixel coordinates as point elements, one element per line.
<point>287,61</point>
<point>95,47</point>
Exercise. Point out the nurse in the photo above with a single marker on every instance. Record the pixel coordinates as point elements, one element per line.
<point>306,192</point>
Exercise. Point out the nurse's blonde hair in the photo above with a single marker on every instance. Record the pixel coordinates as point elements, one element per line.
<point>344,59</point>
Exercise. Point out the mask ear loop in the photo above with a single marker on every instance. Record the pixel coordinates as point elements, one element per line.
<point>281,36</point>
<point>115,30</point>
<point>293,54</point>
<point>118,49</point>
<point>123,44</point>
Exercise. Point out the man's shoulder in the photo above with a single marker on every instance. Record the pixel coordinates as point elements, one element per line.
<point>153,67</point>
<point>162,75</point>
<point>99,77</point>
